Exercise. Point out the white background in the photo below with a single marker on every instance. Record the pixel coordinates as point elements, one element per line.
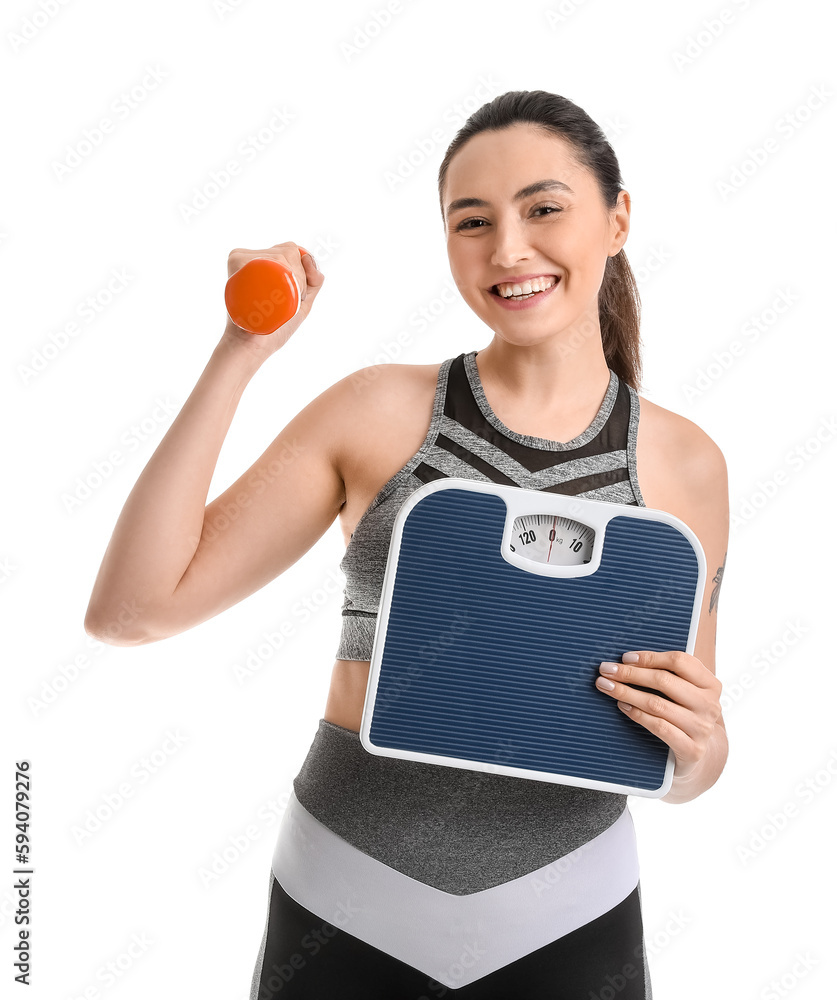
<point>725,139</point>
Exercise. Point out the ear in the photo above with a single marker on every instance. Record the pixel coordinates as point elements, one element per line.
<point>621,222</point>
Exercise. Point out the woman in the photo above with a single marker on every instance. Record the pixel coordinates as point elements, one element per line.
<point>404,879</point>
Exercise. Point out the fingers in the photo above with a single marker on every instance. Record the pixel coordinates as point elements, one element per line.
<point>668,684</point>
<point>313,275</point>
<point>669,698</point>
<point>667,687</point>
<point>674,724</point>
<point>686,747</point>
<point>651,665</point>
<point>291,254</point>
<point>298,261</point>
<point>675,706</point>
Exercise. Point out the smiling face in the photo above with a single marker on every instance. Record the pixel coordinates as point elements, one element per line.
<point>505,224</point>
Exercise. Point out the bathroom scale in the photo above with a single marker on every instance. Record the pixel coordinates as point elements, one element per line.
<point>498,604</point>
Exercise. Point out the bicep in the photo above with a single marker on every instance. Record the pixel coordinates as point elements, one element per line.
<point>264,522</point>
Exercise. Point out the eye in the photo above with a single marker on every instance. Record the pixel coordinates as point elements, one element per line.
<point>552,208</point>
<point>466,223</point>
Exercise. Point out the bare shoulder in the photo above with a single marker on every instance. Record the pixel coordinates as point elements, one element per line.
<point>381,415</point>
<point>375,396</point>
<point>384,385</point>
<point>676,458</point>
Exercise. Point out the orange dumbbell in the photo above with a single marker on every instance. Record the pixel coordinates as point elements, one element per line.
<point>262,295</point>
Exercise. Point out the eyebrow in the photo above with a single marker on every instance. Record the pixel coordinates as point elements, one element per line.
<point>524,192</point>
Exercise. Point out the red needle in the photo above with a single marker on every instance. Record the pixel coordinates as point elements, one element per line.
<point>554,519</point>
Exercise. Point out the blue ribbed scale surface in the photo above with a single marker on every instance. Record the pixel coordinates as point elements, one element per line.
<point>487,662</point>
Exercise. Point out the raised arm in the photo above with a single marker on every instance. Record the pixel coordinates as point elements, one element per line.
<point>173,562</point>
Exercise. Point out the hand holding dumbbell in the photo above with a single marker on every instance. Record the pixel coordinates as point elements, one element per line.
<point>270,290</point>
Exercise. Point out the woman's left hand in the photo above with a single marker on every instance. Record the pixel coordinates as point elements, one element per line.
<point>686,722</point>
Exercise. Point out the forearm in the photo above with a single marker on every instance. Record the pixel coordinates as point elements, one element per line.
<point>160,525</point>
<point>704,774</point>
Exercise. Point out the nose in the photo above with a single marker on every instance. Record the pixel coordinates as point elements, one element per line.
<point>510,245</point>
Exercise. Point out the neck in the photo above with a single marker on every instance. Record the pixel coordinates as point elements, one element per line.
<point>555,376</point>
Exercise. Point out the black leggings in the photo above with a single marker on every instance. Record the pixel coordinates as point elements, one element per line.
<point>307,958</point>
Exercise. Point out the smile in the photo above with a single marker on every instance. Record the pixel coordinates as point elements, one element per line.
<point>524,294</point>
<point>519,289</point>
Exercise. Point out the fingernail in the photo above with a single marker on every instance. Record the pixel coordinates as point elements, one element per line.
<point>630,657</point>
<point>603,682</point>
<point>608,668</point>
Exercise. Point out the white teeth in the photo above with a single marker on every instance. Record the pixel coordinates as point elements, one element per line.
<point>508,289</point>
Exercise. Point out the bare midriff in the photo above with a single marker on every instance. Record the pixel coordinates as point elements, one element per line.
<point>347,692</point>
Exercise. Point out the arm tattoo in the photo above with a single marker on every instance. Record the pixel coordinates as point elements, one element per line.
<point>716,579</point>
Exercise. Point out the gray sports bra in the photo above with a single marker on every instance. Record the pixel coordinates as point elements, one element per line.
<point>466,439</point>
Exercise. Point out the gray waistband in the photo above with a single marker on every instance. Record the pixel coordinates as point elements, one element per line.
<point>458,830</point>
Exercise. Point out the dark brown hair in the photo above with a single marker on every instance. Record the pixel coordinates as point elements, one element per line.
<point>619,304</point>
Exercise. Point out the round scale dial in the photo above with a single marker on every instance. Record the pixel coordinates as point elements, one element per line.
<point>552,539</point>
